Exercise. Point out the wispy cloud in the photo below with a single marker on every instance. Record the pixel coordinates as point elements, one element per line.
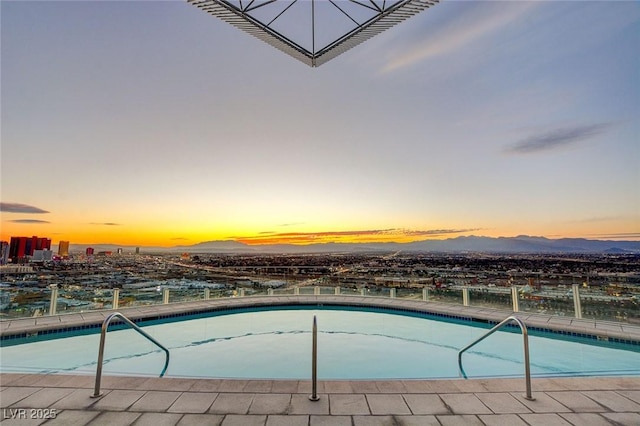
<point>618,236</point>
<point>557,138</point>
<point>20,208</point>
<point>32,221</point>
<point>105,224</point>
<point>470,25</point>
<point>179,239</point>
<point>371,235</point>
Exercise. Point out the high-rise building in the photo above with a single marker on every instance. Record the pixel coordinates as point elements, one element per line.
<point>89,251</point>
<point>63,249</point>
<point>4,252</point>
<point>21,247</point>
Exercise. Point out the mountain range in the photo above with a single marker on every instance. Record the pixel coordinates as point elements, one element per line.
<point>519,244</point>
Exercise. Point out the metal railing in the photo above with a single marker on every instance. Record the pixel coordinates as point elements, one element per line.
<point>314,362</point>
<point>525,335</point>
<point>103,335</point>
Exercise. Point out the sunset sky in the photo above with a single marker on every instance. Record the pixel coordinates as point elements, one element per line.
<point>154,123</point>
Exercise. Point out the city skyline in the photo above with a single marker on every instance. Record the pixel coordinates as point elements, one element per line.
<point>131,123</point>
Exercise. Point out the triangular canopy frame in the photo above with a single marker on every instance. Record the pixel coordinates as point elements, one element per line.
<point>365,18</point>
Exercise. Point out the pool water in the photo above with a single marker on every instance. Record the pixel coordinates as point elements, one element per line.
<point>352,344</point>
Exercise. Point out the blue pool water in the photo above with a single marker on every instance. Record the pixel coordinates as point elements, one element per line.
<point>352,344</point>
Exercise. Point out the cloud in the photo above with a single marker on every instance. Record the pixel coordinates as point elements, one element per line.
<point>33,221</point>
<point>105,223</point>
<point>20,208</point>
<point>433,232</point>
<point>469,25</point>
<point>371,235</point>
<point>557,138</point>
<point>632,235</point>
<point>179,239</point>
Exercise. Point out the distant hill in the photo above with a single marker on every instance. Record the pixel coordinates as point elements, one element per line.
<point>507,245</point>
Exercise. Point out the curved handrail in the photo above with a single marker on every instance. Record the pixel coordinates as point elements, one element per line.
<point>525,336</point>
<point>103,335</point>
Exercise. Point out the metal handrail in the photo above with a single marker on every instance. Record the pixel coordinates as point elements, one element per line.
<point>525,336</point>
<point>314,361</point>
<point>103,335</point>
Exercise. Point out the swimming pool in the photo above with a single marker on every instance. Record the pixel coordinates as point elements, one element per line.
<point>353,343</point>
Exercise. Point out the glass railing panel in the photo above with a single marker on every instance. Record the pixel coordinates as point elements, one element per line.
<point>140,297</point>
<point>446,295</point>
<point>490,297</point>
<point>550,300</point>
<point>620,308</point>
<point>409,293</point>
<point>22,302</point>
<point>350,291</point>
<point>306,290</point>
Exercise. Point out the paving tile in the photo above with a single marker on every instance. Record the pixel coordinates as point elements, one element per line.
<point>258,386</point>
<point>576,401</point>
<point>459,420</point>
<point>233,385</point>
<point>270,404</point>
<point>633,395</point>
<point>373,421</point>
<point>502,403</point>
<point>43,398</point>
<point>12,395</point>
<point>115,418</point>
<point>501,420</point>
<point>231,403</point>
<point>118,400</point>
<point>284,386</point>
<point>73,418</point>
<point>338,386</point>
<point>348,404</point>
<point>382,404</point>
<point>166,384</point>
<point>300,404</point>
<point>78,399</point>
<point>243,420</point>
<point>193,402</point>
<point>390,386</point>
<point>201,420</point>
<point>330,421</point>
<point>158,419</point>
<point>613,401</point>
<point>585,419</point>
<point>464,403</point>
<point>279,420</point>
<point>426,404</point>
<point>543,403</point>
<point>544,420</point>
<point>155,401</point>
<point>627,419</point>
<point>205,385</point>
<point>364,387</point>
<point>416,421</point>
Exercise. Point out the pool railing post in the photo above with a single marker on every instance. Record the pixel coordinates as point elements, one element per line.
<point>314,362</point>
<point>577,307</point>
<point>116,298</point>
<point>514,298</point>
<point>53,303</point>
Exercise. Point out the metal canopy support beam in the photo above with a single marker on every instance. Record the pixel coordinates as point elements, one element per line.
<point>383,19</point>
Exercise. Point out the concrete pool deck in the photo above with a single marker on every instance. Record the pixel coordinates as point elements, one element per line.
<point>27,399</point>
